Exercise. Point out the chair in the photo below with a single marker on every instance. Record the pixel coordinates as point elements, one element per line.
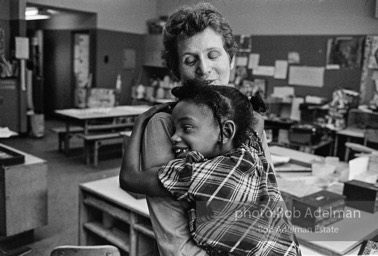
<point>80,250</point>
<point>370,136</point>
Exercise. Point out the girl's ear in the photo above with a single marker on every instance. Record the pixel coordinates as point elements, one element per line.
<point>228,130</point>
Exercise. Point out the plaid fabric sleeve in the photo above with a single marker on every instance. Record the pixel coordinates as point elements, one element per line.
<point>176,175</point>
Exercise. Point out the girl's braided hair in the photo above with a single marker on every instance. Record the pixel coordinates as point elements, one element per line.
<point>225,102</point>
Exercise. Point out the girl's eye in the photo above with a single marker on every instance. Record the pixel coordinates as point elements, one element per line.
<point>213,54</point>
<point>189,60</point>
<point>187,128</point>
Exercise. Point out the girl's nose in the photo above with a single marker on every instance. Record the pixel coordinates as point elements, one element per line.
<point>175,139</point>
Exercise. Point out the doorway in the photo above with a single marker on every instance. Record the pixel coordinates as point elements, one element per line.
<point>51,63</point>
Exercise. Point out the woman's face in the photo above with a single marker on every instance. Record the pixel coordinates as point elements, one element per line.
<point>202,56</point>
<point>196,130</point>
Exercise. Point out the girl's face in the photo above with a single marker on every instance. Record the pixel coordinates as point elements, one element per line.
<point>196,130</point>
<point>203,56</point>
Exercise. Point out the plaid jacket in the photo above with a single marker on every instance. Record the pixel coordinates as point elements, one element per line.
<point>235,205</point>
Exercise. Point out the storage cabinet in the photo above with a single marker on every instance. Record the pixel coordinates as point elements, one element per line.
<point>23,195</point>
<point>12,105</point>
<point>109,215</point>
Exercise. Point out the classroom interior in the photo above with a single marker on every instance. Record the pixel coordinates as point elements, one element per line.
<point>75,74</point>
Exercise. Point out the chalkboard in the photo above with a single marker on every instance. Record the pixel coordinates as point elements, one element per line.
<point>312,50</point>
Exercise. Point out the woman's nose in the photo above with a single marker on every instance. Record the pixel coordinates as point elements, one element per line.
<point>203,68</point>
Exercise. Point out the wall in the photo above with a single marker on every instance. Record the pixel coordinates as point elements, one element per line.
<point>58,90</point>
<point>74,21</point>
<point>119,15</point>
<point>110,45</point>
<point>291,17</point>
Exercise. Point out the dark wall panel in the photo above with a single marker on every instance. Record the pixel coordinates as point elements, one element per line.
<point>313,52</point>
<point>58,88</point>
<point>109,56</point>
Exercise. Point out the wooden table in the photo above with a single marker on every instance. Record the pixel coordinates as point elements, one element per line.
<point>349,132</point>
<point>84,117</point>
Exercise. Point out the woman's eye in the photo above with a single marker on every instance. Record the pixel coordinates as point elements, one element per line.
<point>189,61</point>
<point>213,54</point>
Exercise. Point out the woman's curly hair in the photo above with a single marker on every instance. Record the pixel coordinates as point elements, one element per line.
<point>225,102</point>
<point>188,21</point>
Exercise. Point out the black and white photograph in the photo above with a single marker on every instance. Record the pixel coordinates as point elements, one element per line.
<point>188,127</point>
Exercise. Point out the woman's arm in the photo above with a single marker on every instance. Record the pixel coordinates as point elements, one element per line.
<point>156,145</point>
<point>130,177</point>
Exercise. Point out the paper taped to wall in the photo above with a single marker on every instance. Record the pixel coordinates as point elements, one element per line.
<point>306,76</point>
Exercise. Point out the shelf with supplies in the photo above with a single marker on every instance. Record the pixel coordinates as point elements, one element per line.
<point>110,215</point>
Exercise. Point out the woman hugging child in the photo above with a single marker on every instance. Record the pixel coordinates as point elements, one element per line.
<point>234,205</point>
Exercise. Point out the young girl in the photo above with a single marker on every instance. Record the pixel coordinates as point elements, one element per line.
<point>234,205</point>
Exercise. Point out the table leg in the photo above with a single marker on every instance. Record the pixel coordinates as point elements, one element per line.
<point>67,140</point>
<point>336,145</point>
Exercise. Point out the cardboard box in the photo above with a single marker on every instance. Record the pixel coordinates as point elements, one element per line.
<point>319,209</point>
<point>361,195</point>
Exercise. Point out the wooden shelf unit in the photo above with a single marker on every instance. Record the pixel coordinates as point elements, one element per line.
<point>109,215</point>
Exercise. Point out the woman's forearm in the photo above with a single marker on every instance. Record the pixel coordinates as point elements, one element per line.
<point>131,178</point>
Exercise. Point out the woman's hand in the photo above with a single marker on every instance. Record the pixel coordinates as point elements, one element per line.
<point>143,118</point>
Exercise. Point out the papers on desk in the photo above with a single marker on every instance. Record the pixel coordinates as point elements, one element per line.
<point>286,164</point>
<point>300,186</point>
<point>279,160</point>
<point>357,167</point>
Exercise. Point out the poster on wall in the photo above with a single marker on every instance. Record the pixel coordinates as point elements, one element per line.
<point>2,41</point>
<point>346,52</point>
<point>81,59</point>
<point>306,76</point>
<point>244,43</point>
<point>374,52</point>
<point>128,59</point>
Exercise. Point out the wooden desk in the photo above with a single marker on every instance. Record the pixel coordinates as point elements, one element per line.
<point>351,231</point>
<point>349,132</point>
<point>84,117</point>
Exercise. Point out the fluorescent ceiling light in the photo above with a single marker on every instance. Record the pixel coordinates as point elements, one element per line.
<point>33,13</point>
<point>37,17</point>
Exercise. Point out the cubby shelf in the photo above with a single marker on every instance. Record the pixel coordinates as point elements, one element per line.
<point>109,215</point>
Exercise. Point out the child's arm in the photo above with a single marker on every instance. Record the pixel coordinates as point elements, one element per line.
<point>131,178</point>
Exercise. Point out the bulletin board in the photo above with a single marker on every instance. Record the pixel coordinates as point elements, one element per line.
<point>312,52</point>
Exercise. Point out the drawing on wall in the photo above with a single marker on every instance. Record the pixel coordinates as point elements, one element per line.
<point>346,52</point>
<point>128,58</point>
<point>373,58</point>
<point>244,43</point>
<point>81,60</point>
<point>253,88</point>
<point>293,58</point>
